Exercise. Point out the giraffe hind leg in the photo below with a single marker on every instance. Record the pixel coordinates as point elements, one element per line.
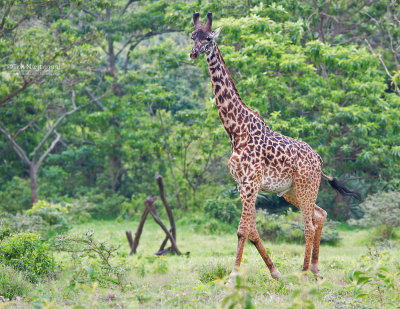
<point>313,217</point>
<point>320,216</point>
<point>256,240</point>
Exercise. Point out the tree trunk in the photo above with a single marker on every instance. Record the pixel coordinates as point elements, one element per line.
<point>33,176</point>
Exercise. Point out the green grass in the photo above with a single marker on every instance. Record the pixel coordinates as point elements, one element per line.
<point>196,280</point>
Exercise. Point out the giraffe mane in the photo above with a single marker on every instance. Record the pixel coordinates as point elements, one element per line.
<point>255,113</point>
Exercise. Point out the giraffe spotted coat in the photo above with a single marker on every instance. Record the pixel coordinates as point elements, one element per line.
<point>263,159</point>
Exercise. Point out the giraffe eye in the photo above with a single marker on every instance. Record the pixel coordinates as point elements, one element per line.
<point>208,39</point>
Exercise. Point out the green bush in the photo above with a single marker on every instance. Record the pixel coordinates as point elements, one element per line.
<point>223,209</point>
<point>92,260</point>
<point>5,232</point>
<point>48,219</point>
<point>290,228</point>
<point>381,210</point>
<point>212,271</point>
<point>27,252</point>
<point>25,222</point>
<point>130,208</point>
<point>12,283</point>
<point>107,205</point>
<point>15,196</point>
<point>55,215</point>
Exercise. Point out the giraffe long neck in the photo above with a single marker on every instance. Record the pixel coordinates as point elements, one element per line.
<point>233,112</point>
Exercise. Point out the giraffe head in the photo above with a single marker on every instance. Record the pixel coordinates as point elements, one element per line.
<point>203,36</point>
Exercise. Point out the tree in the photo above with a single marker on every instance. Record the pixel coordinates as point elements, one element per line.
<point>37,158</point>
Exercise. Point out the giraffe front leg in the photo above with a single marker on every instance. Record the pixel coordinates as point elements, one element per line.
<point>242,234</point>
<point>248,194</point>
<point>320,216</point>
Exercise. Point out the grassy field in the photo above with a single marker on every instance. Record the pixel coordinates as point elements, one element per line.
<point>195,280</point>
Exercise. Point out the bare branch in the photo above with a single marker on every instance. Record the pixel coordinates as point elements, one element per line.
<point>53,144</point>
<point>91,13</point>
<point>16,147</point>
<point>95,100</point>
<point>384,66</point>
<point>19,131</point>
<point>73,98</point>
<point>52,129</point>
<point>127,5</point>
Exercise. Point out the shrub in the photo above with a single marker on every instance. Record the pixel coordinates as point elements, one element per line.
<point>130,208</point>
<point>211,271</point>
<point>107,205</point>
<point>93,260</point>
<point>223,209</point>
<point>24,222</point>
<point>43,218</point>
<point>55,215</point>
<point>5,232</point>
<point>214,226</point>
<point>290,228</point>
<point>12,283</point>
<point>16,196</point>
<point>381,210</point>
<point>48,219</point>
<point>27,252</point>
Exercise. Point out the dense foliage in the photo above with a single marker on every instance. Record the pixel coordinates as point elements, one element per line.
<point>28,253</point>
<point>117,98</point>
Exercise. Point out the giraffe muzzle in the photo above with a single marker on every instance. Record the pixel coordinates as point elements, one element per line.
<point>194,54</point>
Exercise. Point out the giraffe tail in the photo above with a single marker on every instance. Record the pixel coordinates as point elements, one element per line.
<point>339,187</point>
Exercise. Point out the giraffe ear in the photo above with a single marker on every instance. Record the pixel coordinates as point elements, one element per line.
<point>216,32</point>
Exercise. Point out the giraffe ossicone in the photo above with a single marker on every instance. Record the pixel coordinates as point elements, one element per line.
<point>263,159</point>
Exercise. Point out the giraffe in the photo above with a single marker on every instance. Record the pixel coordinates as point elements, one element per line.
<point>263,159</point>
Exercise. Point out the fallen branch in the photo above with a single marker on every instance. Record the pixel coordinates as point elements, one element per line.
<point>134,244</point>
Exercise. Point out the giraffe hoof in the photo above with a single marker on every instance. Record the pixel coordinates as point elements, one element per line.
<point>275,274</point>
<point>318,275</point>
<point>232,278</point>
<point>314,269</point>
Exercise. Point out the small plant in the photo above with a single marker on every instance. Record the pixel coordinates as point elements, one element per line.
<point>159,263</point>
<point>97,261</point>
<point>12,283</point>
<point>376,281</point>
<point>28,253</point>
<point>211,272</point>
<point>240,296</point>
<point>305,291</point>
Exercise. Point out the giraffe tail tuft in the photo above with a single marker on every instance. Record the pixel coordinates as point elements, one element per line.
<point>341,188</point>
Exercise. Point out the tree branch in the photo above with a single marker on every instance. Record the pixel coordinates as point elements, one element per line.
<point>53,144</point>
<point>95,100</point>
<point>15,145</point>
<point>384,66</point>
<point>16,92</point>
<point>127,5</point>
<point>52,129</point>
